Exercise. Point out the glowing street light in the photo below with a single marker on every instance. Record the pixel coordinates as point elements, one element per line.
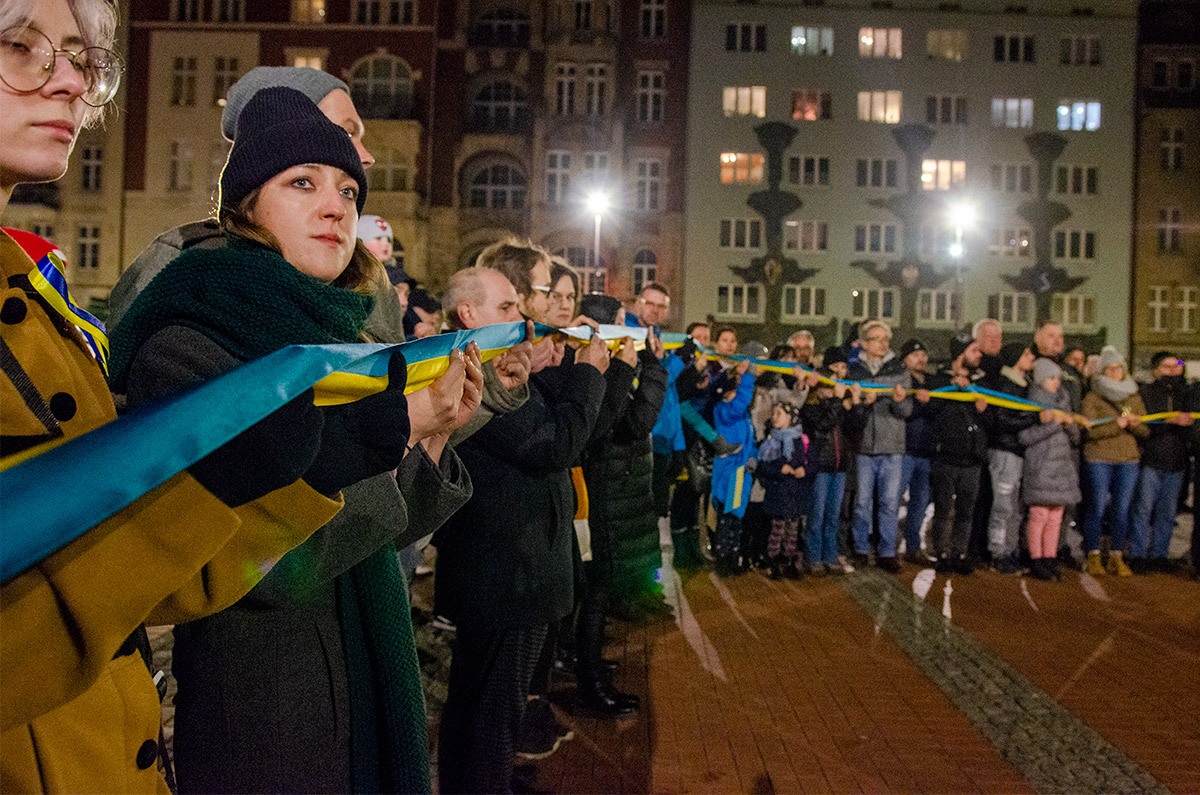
<point>597,204</point>
<point>962,214</point>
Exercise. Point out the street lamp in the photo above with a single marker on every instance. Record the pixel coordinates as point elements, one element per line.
<point>962,215</point>
<point>597,205</point>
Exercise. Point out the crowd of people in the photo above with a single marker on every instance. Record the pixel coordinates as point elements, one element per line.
<point>544,477</point>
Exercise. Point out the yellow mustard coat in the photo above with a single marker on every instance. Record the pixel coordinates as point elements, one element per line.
<point>73,718</point>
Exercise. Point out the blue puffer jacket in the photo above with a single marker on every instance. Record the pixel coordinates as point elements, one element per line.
<point>667,435</point>
<point>730,483</point>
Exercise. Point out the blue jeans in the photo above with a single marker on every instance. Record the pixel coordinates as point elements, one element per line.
<point>915,479</point>
<point>1154,516</point>
<point>878,473</point>
<point>1103,479</point>
<point>828,488</point>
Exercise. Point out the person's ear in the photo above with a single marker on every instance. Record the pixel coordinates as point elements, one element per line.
<point>466,314</point>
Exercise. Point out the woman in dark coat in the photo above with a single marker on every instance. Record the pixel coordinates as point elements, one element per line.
<point>309,683</point>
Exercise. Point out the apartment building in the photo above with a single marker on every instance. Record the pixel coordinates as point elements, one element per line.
<point>841,155</point>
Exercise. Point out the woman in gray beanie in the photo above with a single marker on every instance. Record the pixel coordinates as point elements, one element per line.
<point>1111,459</point>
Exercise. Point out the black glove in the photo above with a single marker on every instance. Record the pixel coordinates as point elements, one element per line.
<point>267,456</point>
<point>363,438</point>
<point>687,351</point>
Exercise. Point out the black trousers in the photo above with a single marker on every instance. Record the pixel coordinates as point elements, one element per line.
<point>955,489</point>
<point>489,682</point>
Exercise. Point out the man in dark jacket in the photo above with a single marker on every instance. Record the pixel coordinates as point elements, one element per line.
<point>915,477</point>
<point>1164,463</point>
<point>1005,457</point>
<point>506,564</point>
<point>958,448</point>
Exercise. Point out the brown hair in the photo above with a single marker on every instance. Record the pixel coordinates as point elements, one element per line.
<point>364,274</point>
<point>514,258</point>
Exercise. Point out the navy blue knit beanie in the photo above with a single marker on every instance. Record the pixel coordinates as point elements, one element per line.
<point>280,128</point>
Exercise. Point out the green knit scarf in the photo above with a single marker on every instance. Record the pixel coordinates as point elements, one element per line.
<point>245,297</point>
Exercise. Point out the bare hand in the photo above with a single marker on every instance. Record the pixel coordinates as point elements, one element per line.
<point>584,320</point>
<point>869,397</point>
<point>558,350</point>
<point>840,390</point>
<point>1182,419</point>
<point>1124,421</point>
<point>922,395</point>
<point>811,379</point>
<point>472,394</point>
<point>981,404</point>
<point>513,366</point>
<point>798,472</point>
<point>899,393</point>
<point>787,469</point>
<point>595,354</point>
<point>626,353</point>
<point>856,392</point>
<point>742,366</point>
<point>434,409</point>
<point>656,345</point>
<point>1045,416</point>
<point>962,381</point>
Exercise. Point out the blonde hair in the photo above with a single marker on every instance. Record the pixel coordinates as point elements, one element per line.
<point>97,21</point>
<point>364,274</point>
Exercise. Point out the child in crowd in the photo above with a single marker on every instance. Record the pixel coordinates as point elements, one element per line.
<point>823,415</point>
<point>730,485</point>
<point>782,462</point>
<point>1050,480</point>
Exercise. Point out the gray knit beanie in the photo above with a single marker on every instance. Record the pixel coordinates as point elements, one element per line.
<point>312,83</point>
<point>1044,368</point>
<point>1110,356</point>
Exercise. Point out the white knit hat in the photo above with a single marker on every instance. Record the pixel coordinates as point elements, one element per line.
<point>1110,356</point>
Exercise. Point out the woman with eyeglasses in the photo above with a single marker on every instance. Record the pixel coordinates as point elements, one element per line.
<point>78,706</point>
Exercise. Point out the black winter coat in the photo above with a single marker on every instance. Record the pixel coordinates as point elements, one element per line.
<point>918,440</point>
<point>1003,424</point>
<point>617,465</point>
<point>822,420</point>
<point>505,560</point>
<point>956,430</point>
<point>1167,448</point>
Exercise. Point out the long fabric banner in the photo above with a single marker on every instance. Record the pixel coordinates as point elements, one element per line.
<point>973,392</point>
<point>54,493</point>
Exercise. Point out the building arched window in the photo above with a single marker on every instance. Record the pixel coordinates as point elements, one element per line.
<point>496,184</point>
<point>645,269</point>
<point>499,106</point>
<point>390,172</point>
<point>382,88</point>
<point>503,27</point>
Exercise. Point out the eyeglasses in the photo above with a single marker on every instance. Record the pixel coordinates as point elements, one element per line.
<point>28,59</point>
<point>654,304</point>
<point>540,288</point>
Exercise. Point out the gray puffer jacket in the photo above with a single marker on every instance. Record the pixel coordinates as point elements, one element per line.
<point>1051,473</point>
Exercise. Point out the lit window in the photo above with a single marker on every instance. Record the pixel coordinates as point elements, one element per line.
<point>812,41</point>
<point>741,167</point>
<point>949,45</point>
<point>745,101</point>
<point>879,42</point>
<point>1078,115</point>
<point>1012,112</point>
<point>943,174</point>
<point>308,12</point>
<point>810,104</point>
<point>879,106</point>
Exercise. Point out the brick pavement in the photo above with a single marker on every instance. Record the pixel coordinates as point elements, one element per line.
<point>816,686</point>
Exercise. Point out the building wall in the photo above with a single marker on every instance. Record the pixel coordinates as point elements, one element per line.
<point>844,139</point>
<point>1167,275</point>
